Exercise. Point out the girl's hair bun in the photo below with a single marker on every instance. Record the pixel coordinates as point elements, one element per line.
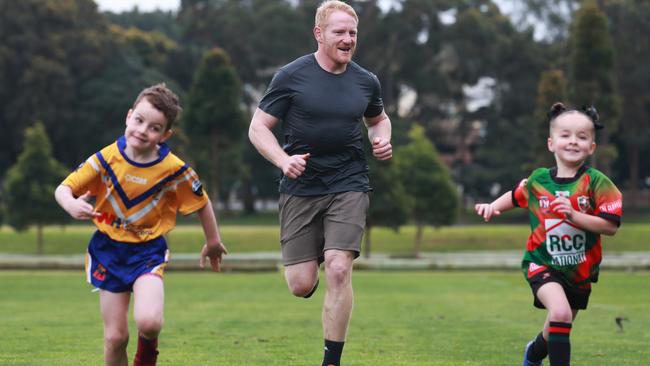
<point>591,112</point>
<point>556,109</point>
<point>588,110</point>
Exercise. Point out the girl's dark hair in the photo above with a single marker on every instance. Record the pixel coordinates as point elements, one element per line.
<point>588,110</point>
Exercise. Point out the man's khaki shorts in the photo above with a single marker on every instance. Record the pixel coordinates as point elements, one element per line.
<point>311,225</point>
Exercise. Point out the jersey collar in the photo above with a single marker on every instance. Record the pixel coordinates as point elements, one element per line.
<point>163,151</point>
<point>565,180</point>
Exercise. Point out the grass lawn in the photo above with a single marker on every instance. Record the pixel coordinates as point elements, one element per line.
<point>414,318</point>
<point>254,238</point>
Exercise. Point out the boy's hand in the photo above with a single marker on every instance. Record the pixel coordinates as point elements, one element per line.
<point>486,210</point>
<point>562,207</point>
<point>214,253</point>
<point>80,209</point>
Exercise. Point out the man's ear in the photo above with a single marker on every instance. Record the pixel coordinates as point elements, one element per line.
<point>549,144</point>
<point>318,34</point>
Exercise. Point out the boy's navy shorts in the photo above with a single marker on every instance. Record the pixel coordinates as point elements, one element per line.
<point>115,266</point>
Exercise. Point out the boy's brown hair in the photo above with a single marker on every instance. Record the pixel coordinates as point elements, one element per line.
<point>164,100</point>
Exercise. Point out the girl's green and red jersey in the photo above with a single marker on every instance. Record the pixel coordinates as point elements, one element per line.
<point>555,242</point>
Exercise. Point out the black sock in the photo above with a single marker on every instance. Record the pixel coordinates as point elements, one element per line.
<point>538,350</point>
<point>559,346</point>
<point>333,352</point>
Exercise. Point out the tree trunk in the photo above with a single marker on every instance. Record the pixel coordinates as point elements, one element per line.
<point>214,176</point>
<point>366,242</point>
<point>633,168</point>
<point>418,240</point>
<point>248,196</point>
<point>39,239</point>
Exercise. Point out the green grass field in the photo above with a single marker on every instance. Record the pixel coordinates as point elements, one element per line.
<point>414,318</point>
<point>254,238</point>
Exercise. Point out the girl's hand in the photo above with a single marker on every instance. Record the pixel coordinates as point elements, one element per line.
<point>486,210</point>
<point>562,207</point>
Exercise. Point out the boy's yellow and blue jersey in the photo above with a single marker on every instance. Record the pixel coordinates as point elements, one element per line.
<point>137,202</point>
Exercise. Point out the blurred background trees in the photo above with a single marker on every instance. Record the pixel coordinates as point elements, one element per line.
<point>478,82</point>
<point>30,184</point>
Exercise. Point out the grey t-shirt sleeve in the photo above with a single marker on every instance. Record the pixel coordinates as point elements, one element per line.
<point>376,105</point>
<point>277,98</point>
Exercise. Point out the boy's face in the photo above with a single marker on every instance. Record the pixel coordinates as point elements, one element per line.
<point>572,139</point>
<point>146,127</point>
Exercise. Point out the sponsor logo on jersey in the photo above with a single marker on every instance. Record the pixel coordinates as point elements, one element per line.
<point>583,203</point>
<point>611,207</point>
<point>134,179</point>
<point>197,188</point>
<point>544,204</point>
<point>565,194</point>
<point>122,224</point>
<point>534,268</point>
<point>100,273</point>
<point>565,242</point>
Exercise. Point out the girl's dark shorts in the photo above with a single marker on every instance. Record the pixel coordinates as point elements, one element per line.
<point>578,297</point>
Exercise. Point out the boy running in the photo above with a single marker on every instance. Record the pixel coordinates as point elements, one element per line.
<point>139,186</point>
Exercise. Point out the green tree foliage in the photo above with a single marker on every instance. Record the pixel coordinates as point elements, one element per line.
<point>62,62</point>
<point>30,185</point>
<point>154,21</point>
<point>630,25</point>
<point>137,61</point>
<point>153,48</point>
<point>488,145</point>
<point>2,206</point>
<point>213,118</point>
<point>48,50</point>
<point>554,15</point>
<point>427,180</point>
<point>593,75</point>
<point>390,205</point>
<point>552,88</point>
<point>259,35</point>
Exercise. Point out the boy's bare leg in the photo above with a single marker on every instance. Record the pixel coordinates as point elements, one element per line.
<point>148,304</point>
<point>115,308</point>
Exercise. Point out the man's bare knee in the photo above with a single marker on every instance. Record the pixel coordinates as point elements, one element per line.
<point>301,278</point>
<point>338,273</point>
<point>300,288</point>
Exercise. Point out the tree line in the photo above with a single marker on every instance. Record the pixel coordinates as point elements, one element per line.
<point>466,87</point>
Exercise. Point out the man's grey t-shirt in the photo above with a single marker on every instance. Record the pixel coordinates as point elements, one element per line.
<point>322,114</point>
